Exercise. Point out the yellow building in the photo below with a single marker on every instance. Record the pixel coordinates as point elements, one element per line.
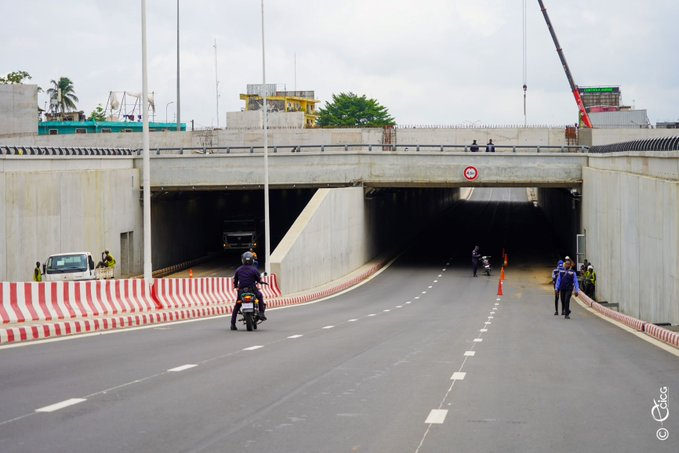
<point>284,101</point>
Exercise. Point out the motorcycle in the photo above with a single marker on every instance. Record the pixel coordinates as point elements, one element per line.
<point>249,309</point>
<point>485,264</point>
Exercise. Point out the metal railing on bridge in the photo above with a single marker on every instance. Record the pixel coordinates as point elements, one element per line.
<point>64,151</point>
<point>654,144</point>
<point>362,147</point>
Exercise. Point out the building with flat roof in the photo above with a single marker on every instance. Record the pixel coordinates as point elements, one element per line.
<point>286,109</point>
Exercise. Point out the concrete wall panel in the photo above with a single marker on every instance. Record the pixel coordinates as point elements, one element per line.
<point>632,227</point>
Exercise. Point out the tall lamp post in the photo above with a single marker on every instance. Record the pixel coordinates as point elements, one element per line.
<point>267,236</point>
<point>148,273</point>
<point>179,122</point>
<point>166,106</point>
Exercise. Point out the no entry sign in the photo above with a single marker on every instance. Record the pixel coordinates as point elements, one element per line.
<point>471,173</point>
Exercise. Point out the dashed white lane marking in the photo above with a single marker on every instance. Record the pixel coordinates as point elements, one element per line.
<point>292,337</point>
<point>437,416</point>
<point>483,330</point>
<point>408,302</point>
<point>424,292</point>
<point>491,317</point>
<point>353,320</point>
<point>488,322</point>
<point>496,303</point>
<point>182,368</point>
<point>416,297</point>
<point>458,376</point>
<point>252,348</point>
<point>498,299</point>
<point>436,281</point>
<point>469,353</point>
<point>372,314</point>
<point>61,405</point>
<point>478,340</point>
<point>386,310</point>
<point>399,306</point>
<point>328,327</point>
<point>440,275</point>
<point>429,287</point>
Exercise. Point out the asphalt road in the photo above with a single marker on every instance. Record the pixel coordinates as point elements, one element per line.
<point>422,358</point>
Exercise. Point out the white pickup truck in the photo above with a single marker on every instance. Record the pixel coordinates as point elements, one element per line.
<point>72,267</point>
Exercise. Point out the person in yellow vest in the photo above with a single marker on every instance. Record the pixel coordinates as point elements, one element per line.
<point>37,274</point>
<point>109,260</point>
<point>590,281</point>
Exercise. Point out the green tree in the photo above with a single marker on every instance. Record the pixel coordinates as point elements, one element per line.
<point>98,114</point>
<point>348,109</point>
<point>62,95</point>
<point>15,78</point>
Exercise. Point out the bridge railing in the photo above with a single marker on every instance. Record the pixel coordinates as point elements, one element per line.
<point>361,147</point>
<point>63,151</point>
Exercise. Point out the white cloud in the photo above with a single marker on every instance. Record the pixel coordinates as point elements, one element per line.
<point>429,62</point>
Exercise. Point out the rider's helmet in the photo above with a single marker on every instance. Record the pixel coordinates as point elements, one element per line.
<point>247,258</point>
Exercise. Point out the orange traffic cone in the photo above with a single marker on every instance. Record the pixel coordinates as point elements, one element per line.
<point>502,274</point>
<point>499,288</point>
<point>190,273</point>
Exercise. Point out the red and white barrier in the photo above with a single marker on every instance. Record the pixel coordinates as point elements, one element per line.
<point>620,317</point>
<point>662,334</point>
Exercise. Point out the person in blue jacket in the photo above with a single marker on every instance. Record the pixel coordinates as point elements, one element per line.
<point>555,275</point>
<point>567,284</point>
<point>247,276</point>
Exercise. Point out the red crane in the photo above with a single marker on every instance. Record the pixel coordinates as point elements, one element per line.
<point>584,117</point>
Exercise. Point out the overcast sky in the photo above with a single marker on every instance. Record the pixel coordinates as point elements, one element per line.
<point>430,62</point>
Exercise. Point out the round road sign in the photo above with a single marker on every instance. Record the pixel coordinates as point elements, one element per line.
<point>471,173</point>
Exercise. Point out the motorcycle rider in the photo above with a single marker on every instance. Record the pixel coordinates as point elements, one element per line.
<point>476,254</point>
<point>247,276</point>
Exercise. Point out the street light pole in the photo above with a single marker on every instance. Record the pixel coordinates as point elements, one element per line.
<point>267,236</point>
<point>168,104</point>
<point>179,122</point>
<point>148,272</point>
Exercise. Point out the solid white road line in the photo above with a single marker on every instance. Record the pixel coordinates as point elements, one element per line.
<point>295,336</point>
<point>458,376</point>
<point>61,405</point>
<point>437,416</point>
<point>183,367</point>
<point>252,348</point>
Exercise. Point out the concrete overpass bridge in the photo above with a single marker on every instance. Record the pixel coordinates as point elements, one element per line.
<point>83,198</point>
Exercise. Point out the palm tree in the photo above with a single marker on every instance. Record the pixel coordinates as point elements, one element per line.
<point>62,96</point>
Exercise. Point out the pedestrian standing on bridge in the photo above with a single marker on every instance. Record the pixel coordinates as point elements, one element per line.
<point>37,274</point>
<point>474,147</point>
<point>555,275</point>
<point>476,254</point>
<point>567,284</point>
<point>490,147</point>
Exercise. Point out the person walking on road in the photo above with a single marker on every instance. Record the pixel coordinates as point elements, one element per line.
<point>474,147</point>
<point>37,274</point>
<point>567,284</point>
<point>555,275</point>
<point>476,254</point>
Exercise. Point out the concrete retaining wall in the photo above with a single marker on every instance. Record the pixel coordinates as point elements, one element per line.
<point>65,206</point>
<point>340,230</point>
<point>631,222</point>
<point>18,110</point>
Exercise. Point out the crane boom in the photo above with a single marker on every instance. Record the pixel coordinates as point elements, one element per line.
<point>574,88</point>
